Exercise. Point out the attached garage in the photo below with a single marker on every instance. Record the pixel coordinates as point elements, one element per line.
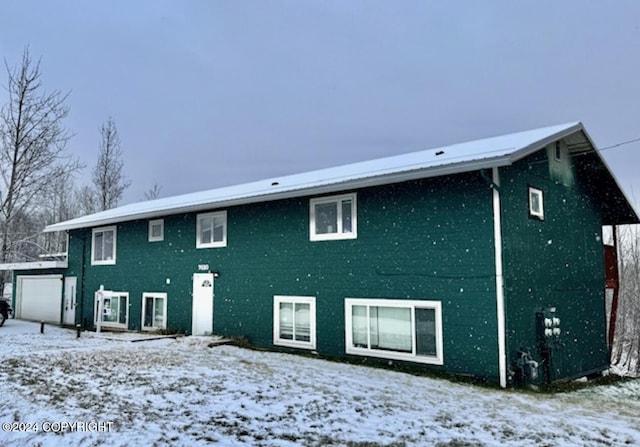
<point>38,291</point>
<point>39,298</point>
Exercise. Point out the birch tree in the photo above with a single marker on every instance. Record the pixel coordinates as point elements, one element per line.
<point>32,148</point>
<point>108,177</point>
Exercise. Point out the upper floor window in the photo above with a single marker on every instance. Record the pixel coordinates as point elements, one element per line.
<point>156,230</point>
<point>333,217</point>
<point>103,246</point>
<point>536,205</point>
<point>211,230</point>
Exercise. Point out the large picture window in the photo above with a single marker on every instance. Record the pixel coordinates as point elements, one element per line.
<point>211,230</point>
<point>294,321</point>
<point>103,246</point>
<point>154,311</point>
<point>333,218</point>
<point>394,329</point>
<point>115,309</point>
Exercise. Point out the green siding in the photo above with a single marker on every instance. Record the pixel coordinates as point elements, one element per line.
<point>557,262</point>
<point>427,239</point>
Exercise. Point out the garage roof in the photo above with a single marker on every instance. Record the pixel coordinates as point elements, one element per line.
<point>474,155</point>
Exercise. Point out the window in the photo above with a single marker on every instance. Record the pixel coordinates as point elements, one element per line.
<point>103,246</point>
<point>557,151</point>
<point>333,218</point>
<point>536,206</point>
<point>154,311</point>
<point>294,321</point>
<point>211,230</point>
<point>156,230</point>
<point>394,329</point>
<point>115,309</point>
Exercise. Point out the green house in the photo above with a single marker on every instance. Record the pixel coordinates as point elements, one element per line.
<point>483,259</point>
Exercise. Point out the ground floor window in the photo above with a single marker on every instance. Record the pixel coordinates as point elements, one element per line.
<point>154,311</point>
<point>394,329</point>
<point>294,321</point>
<point>115,309</point>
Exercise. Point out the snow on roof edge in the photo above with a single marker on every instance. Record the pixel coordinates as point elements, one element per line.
<point>456,158</point>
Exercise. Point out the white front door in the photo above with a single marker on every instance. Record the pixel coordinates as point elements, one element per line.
<point>202,319</point>
<point>70,283</point>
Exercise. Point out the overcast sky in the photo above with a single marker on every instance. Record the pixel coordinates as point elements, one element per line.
<point>213,93</point>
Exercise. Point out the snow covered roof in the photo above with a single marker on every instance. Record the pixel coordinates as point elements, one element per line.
<point>474,155</point>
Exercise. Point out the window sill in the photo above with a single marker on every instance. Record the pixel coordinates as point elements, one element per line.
<point>395,356</point>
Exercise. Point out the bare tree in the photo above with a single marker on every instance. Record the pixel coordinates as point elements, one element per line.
<point>59,204</point>
<point>32,148</point>
<point>625,355</point>
<point>108,175</point>
<point>153,193</point>
<point>86,202</point>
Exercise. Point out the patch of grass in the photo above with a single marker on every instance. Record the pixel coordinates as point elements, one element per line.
<point>459,443</point>
<point>326,441</point>
<point>170,331</point>
<point>570,386</point>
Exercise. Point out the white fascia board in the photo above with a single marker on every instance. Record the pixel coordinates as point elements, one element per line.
<point>543,142</point>
<point>37,265</point>
<point>323,187</point>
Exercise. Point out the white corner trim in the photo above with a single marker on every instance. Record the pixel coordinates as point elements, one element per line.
<point>497,237</point>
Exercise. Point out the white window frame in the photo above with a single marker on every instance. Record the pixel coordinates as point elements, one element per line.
<point>311,301</point>
<point>111,261</point>
<point>387,354</point>
<point>213,244</point>
<point>111,294</point>
<point>338,234</point>
<point>532,212</point>
<point>146,295</point>
<point>153,223</point>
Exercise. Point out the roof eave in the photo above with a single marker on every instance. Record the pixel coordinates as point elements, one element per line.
<point>358,183</point>
<point>539,144</point>
<point>37,265</point>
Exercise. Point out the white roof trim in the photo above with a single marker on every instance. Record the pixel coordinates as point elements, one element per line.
<point>458,158</point>
<point>37,265</point>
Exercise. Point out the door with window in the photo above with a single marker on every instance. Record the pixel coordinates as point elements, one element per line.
<point>70,283</point>
<point>115,309</point>
<point>202,317</point>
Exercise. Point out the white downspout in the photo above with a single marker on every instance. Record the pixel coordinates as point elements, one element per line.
<point>497,237</point>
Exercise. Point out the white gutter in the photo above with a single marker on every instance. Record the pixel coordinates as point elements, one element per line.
<point>500,311</point>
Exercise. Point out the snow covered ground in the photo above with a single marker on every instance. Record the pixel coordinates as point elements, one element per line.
<point>183,392</point>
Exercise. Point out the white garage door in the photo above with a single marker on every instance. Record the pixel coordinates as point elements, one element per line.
<point>39,298</point>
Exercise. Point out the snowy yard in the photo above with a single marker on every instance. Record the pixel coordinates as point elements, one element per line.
<point>182,392</point>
